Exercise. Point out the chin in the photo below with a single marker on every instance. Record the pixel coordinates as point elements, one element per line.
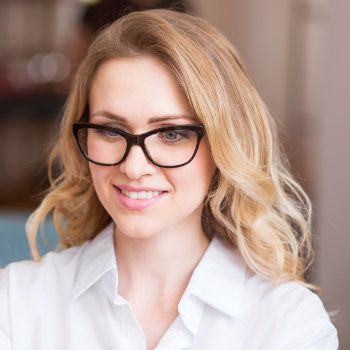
<point>136,229</point>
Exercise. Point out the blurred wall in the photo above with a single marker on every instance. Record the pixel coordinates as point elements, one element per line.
<point>333,165</point>
<point>259,29</point>
<point>298,54</point>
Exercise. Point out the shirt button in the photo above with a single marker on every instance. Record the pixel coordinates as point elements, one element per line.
<point>130,333</point>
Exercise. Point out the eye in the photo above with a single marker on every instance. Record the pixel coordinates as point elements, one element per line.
<point>111,133</point>
<point>171,135</point>
<point>108,134</point>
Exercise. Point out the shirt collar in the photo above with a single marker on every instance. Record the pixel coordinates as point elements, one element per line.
<point>97,258</point>
<point>219,279</point>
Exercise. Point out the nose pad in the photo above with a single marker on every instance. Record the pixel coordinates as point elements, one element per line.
<point>137,164</point>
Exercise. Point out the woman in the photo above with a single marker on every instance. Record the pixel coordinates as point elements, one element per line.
<point>181,227</point>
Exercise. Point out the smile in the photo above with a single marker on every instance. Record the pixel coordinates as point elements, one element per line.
<point>141,194</point>
<point>138,198</point>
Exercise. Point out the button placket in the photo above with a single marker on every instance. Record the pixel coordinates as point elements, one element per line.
<point>128,326</point>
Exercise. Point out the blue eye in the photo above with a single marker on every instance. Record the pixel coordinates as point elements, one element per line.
<point>175,137</point>
<point>108,134</point>
<point>111,133</point>
<point>171,135</point>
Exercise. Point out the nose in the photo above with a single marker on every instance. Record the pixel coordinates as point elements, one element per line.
<point>136,165</point>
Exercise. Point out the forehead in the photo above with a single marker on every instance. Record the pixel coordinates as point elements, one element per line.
<point>136,88</point>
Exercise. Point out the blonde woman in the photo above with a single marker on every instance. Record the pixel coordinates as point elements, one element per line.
<point>179,225</point>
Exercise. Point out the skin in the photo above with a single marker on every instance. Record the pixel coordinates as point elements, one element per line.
<point>159,246</point>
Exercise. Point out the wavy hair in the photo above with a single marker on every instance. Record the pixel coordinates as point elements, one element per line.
<point>253,201</point>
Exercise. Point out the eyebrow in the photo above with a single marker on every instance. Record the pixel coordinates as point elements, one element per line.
<point>150,121</point>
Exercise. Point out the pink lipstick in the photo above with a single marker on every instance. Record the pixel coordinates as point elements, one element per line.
<point>138,198</point>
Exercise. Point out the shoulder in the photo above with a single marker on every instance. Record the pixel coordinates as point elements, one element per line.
<point>4,311</point>
<point>252,311</point>
<point>24,285</point>
<point>290,301</point>
<point>57,272</point>
<point>261,291</point>
<point>291,311</point>
<point>280,299</point>
<point>49,272</point>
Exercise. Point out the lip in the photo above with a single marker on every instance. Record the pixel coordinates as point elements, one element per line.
<point>137,204</point>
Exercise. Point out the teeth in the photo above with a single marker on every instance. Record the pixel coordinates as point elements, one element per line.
<point>133,195</point>
<point>141,194</point>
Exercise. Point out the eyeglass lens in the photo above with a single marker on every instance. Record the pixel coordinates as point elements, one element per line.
<point>167,148</point>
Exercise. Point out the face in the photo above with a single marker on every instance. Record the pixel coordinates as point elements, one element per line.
<point>138,95</point>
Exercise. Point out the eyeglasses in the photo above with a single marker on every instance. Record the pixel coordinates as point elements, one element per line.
<point>168,147</point>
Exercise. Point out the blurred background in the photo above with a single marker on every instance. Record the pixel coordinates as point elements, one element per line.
<point>297,53</point>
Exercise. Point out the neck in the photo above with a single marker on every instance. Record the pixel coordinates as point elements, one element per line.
<point>164,261</point>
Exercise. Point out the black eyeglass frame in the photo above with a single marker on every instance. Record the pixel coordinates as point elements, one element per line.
<point>138,140</point>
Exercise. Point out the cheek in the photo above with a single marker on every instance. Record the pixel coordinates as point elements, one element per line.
<point>99,175</point>
<point>196,176</point>
<point>205,163</point>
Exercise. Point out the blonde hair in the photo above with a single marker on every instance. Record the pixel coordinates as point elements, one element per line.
<point>253,201</point>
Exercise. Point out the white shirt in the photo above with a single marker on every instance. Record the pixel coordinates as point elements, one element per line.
<point>70,300</point>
